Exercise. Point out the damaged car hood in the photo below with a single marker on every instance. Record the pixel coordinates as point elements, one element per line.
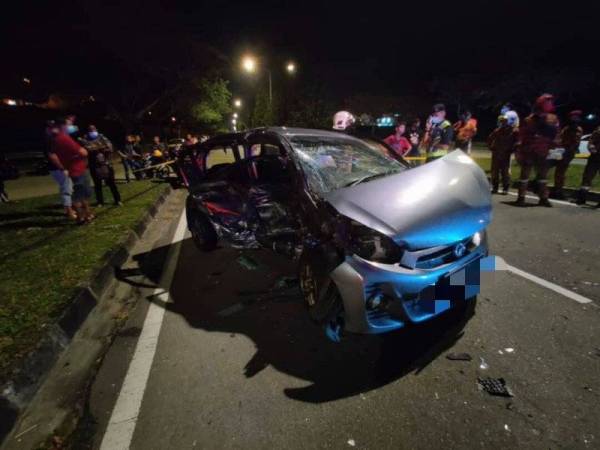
<point>438,203</point>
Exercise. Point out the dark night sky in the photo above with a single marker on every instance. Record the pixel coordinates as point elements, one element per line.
<point>376,47</point>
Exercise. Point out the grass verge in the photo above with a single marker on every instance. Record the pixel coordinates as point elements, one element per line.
<point>572,179</point>
<point>44,258</point>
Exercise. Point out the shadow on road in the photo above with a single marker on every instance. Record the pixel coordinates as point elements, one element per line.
<point>215,292</point>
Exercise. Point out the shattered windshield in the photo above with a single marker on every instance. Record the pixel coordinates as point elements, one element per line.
<point>331,163</point>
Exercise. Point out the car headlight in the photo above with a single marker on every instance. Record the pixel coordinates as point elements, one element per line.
<point>373,246</point>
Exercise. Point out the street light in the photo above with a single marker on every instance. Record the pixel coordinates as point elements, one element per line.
<point>235,115</point>
<point>249,64</point>
<point>237,103</point>
<point>173,119</point>
<point>291,68</point>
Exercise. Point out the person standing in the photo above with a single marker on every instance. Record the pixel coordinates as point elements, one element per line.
<point>4,175</point>
<point>537,135</point>
<point>100,151</point>
<point>414,135</point>
<point>592,168</point>
<point>439,133</point>
<point>502,143</point>
<point>69,156</point>
<point>465,129</point>
<point>397,141</point>
<point>570,137</point>
<point>58,174</point>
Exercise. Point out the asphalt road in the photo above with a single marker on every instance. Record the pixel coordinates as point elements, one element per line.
<point>235,367</point>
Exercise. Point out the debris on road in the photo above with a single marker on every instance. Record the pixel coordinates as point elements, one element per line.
<point>509,350</point>
<point>247,263</point>
<point>351,442</point>
<point>483,365</point>
<point>459,357</point>
<point>506,427</point>
<point>495,386</point>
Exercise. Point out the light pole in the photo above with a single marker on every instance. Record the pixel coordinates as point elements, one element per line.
<point>249,64</point>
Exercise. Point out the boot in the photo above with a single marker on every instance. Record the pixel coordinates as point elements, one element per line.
<point>545,202</point>
<point>581,197</point>
<point>558,194</point>
<point>505,190</point>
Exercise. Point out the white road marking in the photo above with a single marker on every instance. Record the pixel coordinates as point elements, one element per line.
<point>533,197</point>
<point>121,425</point>
<point>502,265</point>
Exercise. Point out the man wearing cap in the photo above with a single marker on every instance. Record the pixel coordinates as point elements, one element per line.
<point>439,133</point>
<point>537,136</point>
<point>570,137</point>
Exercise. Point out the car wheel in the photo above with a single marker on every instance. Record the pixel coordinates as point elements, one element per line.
<point>203,233</point>
<point>320,293</point>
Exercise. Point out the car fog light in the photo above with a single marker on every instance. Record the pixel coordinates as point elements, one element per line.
<point>375,301</point>
<point>476,239</point>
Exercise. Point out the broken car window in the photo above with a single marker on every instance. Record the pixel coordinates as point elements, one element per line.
<point>333,163</point>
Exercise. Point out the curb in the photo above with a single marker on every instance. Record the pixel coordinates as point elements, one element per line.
<point>30,374</point>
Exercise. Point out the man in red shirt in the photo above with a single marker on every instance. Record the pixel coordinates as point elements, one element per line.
<point>397,141</point>
<point>68,155</point>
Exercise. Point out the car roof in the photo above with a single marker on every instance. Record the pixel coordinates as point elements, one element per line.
<point>286,132</point>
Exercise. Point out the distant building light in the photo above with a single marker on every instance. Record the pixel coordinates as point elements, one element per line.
<point>26,80</point>
<point>10,102</point>
<point>591,116</point>
<point>149,113</point>
<point>173,119</point>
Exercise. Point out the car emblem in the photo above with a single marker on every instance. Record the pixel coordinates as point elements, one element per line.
<point>459,250</point>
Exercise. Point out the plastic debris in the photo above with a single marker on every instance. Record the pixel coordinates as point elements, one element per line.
<point>495,386</point>
<point>351,442</point>
<point>506,427</point>
<point>482,364</point>
<point>247,263</point>
<point>459,357</point>
<point>509,350</point>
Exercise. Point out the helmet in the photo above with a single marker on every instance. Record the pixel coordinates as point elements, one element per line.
<point>343,120</point>
<point>544,103</point>
<point>157,153</point>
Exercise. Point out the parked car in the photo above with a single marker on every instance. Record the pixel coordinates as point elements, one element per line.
<point>379,244</point>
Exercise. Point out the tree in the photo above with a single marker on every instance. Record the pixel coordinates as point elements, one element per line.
<point>265,112</point>
<point>213,106</point>
<point>311,109</point>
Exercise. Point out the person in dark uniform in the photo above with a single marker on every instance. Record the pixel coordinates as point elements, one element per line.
<point>570,137</point>
<point>592,168</point>
<point>502,143</point>
<point>99,156</point>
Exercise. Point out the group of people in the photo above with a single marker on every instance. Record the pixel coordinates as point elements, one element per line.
<point>532,142</point>
<point>73,158</point>
<point>76,160</point>
<point>435,140</point>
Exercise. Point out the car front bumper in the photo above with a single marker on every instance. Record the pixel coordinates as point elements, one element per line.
<point>381,297</point>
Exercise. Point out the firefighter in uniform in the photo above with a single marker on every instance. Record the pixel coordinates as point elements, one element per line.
<point>439,133</point>
<point>537,135</point>
<point>502,143</point>
<point>570,137</point>
<point>591,168</point>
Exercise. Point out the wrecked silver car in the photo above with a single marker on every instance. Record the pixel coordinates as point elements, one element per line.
<point>379,244</point>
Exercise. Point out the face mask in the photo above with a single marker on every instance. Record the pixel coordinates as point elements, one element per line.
<point>72,129</point>
<point>435,120</point>
<point>93,134</point>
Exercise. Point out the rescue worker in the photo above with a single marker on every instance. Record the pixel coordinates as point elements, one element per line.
<point>465,130</point>
<point>592,167</point>
<point>537,136</point>
<point>570,137</point>
<point>439,133</point>
<point>502,143</point>
<point>343,121</point>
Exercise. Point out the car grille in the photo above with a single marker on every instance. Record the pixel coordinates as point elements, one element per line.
<point>430,258</point>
